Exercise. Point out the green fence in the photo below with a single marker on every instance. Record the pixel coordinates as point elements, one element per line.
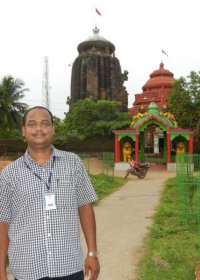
<point>107,159</point>
<point>108,163</point>
<point>188,182</point>
<point>86,161</point>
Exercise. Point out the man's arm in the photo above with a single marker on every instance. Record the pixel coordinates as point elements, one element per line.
<point>88,224</point>
<point>3,249</point>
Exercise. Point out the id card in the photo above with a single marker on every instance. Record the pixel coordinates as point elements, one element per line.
<point>50,201</point>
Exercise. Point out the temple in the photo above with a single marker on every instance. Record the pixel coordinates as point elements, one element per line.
<point>96,73</point>
<point>155,90</point>
<point>153,135</point>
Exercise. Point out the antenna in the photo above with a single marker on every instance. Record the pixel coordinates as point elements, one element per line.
<point>45,85</point>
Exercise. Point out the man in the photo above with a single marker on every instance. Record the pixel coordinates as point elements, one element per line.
<point>42,196</point>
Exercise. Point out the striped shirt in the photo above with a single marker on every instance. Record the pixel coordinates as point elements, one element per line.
<point>44,243</point>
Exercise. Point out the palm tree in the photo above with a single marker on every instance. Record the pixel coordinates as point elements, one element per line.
<point>11,109</point>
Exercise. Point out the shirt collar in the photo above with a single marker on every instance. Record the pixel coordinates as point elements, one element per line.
<point>55,153</point>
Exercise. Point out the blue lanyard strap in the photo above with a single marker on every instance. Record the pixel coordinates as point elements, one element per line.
<point>48,184</point>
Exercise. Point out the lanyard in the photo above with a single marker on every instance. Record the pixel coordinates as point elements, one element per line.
<point>48,184</point>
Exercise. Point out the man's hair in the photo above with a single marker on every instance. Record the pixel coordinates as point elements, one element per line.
<point>36,107</point>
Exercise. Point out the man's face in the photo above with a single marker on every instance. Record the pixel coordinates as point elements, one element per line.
<point>38,129</point>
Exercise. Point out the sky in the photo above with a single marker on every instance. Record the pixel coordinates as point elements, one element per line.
<point>139,29</point>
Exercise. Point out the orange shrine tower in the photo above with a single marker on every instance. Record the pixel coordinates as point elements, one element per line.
<point>155,90</point>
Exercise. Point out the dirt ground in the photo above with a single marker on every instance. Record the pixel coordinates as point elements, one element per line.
<point>122,222</point>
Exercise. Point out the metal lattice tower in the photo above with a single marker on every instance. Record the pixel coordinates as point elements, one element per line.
<point>45,85</point>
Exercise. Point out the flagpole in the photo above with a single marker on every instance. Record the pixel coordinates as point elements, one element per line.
<point>163,53</point>
<point>97,13</point>
<point>95,18</point>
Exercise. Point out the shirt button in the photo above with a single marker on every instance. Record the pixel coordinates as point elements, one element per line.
<point>43,169</point>
<point>49,253</point>
<point>47,217</point>
<point>49,234</point>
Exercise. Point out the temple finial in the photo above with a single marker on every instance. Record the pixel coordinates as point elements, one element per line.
<point>96,30</point>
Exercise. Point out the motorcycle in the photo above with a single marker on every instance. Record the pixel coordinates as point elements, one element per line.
<point>138,169</point>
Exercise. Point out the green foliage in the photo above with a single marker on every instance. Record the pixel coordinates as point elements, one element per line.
<point>186,94</point>
<point>170,241</point>
<point>11,110</point>
<point>10,133</point>
<point>89,119</point>
<point>180,95</point>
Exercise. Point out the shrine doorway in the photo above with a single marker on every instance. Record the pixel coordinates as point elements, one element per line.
<point>153,144</point>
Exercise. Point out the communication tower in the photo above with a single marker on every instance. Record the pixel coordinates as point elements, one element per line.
<point>45,85</point>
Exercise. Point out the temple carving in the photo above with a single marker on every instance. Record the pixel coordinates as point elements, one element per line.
<point>96,73</point>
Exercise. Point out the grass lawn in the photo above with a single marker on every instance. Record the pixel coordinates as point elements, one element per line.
<point>171,247</point>
<point>104,184</point>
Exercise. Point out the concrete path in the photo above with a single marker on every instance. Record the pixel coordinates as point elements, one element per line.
<point>122,221</point>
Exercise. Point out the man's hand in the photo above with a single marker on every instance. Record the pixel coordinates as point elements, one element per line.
<point>92,266</point>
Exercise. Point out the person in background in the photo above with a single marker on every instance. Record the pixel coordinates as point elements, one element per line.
<point>43,195</point>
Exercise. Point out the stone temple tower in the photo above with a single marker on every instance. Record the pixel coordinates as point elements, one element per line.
<point>96,73</point>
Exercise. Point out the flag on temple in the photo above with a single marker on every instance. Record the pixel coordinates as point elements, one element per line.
<point>164,52</point>
<point>97,11</point>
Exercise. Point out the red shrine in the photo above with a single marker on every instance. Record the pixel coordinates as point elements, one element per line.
<point>153,134</point>
<point>155,90</point>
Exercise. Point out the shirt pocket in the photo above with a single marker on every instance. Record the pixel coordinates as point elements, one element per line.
<point>66,194</point>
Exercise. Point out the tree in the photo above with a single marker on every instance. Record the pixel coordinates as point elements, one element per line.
<point>89,119</point>
<point>11,109</point>
<point>180,103</point>
<point>184,102</point>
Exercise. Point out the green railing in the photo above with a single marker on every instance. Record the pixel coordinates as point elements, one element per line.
<point>108,163</point>
<point>188,182</point>
<point>86,161</point>
<point>107,159</point>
